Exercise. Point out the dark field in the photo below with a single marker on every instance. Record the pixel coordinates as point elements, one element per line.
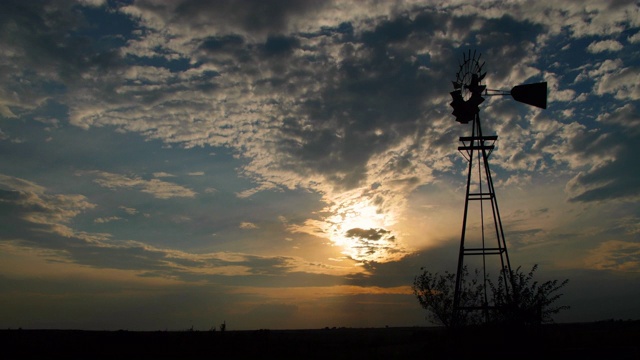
<point>600,340</point>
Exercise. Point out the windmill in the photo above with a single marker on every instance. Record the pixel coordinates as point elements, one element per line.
<point>487,242</point>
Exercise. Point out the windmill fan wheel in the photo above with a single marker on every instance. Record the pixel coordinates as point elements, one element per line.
<point>467,93</point>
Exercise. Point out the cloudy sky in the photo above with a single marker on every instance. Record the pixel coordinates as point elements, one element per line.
<point>293,164</point>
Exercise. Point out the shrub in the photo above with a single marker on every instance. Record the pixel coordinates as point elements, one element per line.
<point>526,302</point>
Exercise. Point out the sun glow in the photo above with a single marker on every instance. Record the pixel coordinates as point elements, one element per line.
<point>362,231</point>
<point>359,215</point>
<point>362,223</point>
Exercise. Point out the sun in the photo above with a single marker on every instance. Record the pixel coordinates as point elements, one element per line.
<point>359,215</point>
<point>363,232</point>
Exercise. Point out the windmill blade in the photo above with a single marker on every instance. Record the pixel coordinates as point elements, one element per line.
<point>481,66</point>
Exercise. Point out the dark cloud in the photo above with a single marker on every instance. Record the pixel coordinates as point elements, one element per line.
<point>377,95</point>
<point>372,99</point>
<point>345,29</point>
<point>280,45</point>
<point>48,39</point>
<point>401,272</point>
<point>370,234</point>
<point>618,176</point>
<point>34,216</point>
<point>618,179</point>
<point>254,16</point>
<point>372,244</point>
<point>388,32</point>
<point>506,43</point>
<point>222,43</point>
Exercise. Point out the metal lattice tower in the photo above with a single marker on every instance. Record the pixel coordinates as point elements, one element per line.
<point>482,240</point>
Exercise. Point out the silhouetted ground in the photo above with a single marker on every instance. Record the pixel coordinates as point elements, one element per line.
<point>600,340</point>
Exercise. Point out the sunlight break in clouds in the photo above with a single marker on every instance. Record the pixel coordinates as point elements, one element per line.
<point>358,226</point>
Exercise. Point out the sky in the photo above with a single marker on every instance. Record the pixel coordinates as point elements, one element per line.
<point>294,164</point>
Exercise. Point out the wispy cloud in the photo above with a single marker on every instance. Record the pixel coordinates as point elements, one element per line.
<point>128,210</point>
<point>615,255</point>
<point>52,214</point>
<point>104,220</point>
<point>30,206</point>
<point>159,189</point>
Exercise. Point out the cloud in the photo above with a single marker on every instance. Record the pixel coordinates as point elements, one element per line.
<point>43,221</point>
<point>370,234</point>
<point>159,189</point>
<point>31,209</point>
<point>372,245</point>
<point>18,184</point>
<point>348,100</point>
<point>104,220</point>
<point>128,210</point>
<point>255,18</point>
<point>555,93</point>
<point>41,31</point>
<point>342,102</point>
<point>612,77</point>
<point>231,123</point>
<point>627,117</point>
<point>615,255</point>
<point>604,45</point>
<point>616,176</point>
<point>248,225</point>
<point>326,144</point>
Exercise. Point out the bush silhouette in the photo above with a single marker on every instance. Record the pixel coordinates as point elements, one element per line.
<point>526,302</point>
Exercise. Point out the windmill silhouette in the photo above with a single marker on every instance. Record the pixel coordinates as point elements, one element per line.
<point>467,96</point>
